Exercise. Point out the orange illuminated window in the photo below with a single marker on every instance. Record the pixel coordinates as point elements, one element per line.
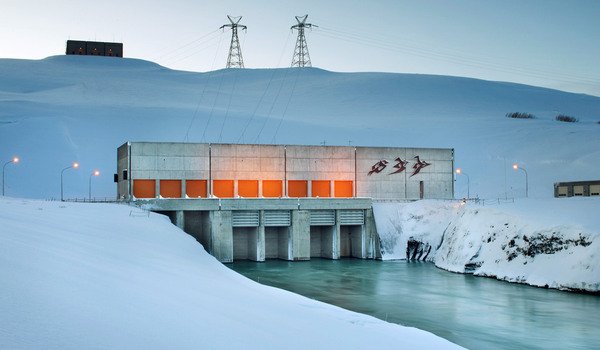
<point>170,188</point>
<point>223,188</point>
<point>297,188</point>
<point>248,188</point>
<point>320,189</point>
<point>144,188</point>
<point>343,189</point>
<point>271,188</point>
<point>195,188</point>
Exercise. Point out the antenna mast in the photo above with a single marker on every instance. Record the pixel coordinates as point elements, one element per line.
<point>234,60</point>
<point>301,56</point>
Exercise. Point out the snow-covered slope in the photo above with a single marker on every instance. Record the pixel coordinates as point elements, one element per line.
<point>551,243</point>
<point>102,276</point>
<point>412,230</point>
<point>81,108</point>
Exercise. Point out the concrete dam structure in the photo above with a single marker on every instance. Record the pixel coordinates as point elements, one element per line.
<point>261,202</point>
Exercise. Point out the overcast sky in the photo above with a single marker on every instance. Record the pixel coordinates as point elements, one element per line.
<point>538,42</point>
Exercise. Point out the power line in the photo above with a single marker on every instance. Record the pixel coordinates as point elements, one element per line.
<point>208,77</point>
<point>433,54</point>
<point>286,106</point>
<point>165,54</point>
<point>201,47</point>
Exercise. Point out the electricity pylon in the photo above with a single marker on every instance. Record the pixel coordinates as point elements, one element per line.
<point>234,60</point>
<point>301,57</point>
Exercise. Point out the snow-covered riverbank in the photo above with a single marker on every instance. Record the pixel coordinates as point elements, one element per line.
<point>102,276</point>
<point>546,243</point>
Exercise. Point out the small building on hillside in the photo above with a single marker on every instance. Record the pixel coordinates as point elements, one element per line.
<point>286,202</point>
<point>577,189</point>
<point>94,48</point>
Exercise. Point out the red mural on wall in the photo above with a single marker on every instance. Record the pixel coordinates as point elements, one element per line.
<point>400,165</point>
<point>378,167</point>
<point>419,165</point>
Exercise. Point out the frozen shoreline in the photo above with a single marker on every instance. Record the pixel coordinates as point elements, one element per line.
<point>545,243</point>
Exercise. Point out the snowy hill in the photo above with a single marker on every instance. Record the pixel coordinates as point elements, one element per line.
<point>81,108</point>
<point>102,276</point>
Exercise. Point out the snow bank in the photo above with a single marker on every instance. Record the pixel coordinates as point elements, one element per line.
<point>92,276</point>
<point>545,243</point>
<point>399,225</point>
<point>545,249</point>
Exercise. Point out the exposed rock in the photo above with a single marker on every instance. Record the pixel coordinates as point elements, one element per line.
<point>417,250</point>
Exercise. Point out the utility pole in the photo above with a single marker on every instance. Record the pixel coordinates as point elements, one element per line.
<point>234,60</point>
<point>301,57</point>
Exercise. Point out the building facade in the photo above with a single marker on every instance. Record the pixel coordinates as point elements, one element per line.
<point>202,170</point>
<point>94,48</point>
<point>577,189</point>
<point>287,202</point>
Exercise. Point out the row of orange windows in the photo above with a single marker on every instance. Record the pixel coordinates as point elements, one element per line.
<point>246,188</point>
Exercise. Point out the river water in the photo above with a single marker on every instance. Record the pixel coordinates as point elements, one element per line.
<point>474,312</point>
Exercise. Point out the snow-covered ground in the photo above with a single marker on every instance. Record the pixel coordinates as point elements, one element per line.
<point>107,276</point>
<point>551,243</point>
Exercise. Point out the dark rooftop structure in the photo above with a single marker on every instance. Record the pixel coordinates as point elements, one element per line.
<point>94,48</point>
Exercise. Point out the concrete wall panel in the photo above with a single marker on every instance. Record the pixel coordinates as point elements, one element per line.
<point>284,243</point>
<point>222,235</point>
<point>240,243</point>
<point>271,243</point>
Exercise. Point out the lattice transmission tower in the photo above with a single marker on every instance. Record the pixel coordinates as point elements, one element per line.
<point>301,56</point>
<point>235,60</point>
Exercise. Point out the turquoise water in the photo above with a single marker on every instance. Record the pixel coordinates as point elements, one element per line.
<point>474,312</point>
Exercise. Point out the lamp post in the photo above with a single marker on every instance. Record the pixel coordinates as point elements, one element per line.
<point>95,173</point>
<point>75,165</point>
<point>526,179</point>
<point>14,160</point>
<point>459,171</point>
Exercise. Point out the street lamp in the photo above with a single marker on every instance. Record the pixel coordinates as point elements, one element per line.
<point>458,171</point>
<point>75,165</point>
<point>14,160</point>
<point>95,173</point>
<point>526,179</point>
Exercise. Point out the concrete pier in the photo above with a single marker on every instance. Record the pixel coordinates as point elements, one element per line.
<point>291,229</point>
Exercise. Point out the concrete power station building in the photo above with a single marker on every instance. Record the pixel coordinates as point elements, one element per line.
<point>262,202</point>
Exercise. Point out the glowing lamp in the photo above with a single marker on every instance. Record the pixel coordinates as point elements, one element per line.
<point>459,171</point>
<point>515,166</point>
<point>95,173</point>
<point>75,165</point>
<point>14,160</point>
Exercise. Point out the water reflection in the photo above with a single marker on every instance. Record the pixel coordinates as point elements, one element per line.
<point>475,312</point>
